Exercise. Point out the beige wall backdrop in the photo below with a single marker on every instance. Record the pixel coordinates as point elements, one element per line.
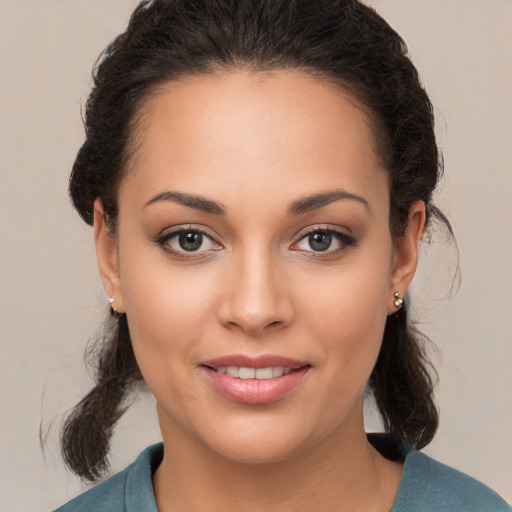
<point>52,301</point>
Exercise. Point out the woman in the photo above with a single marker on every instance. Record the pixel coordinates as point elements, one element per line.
<point>259,176</point>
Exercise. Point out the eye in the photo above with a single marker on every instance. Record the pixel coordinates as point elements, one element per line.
<point>187,241</point>
<point>324,240</point>
<point>320,241</point>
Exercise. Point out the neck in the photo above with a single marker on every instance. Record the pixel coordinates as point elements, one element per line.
<point>345,472</point>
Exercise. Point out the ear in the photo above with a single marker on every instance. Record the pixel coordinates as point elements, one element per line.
<point>407,253</point>
<point>106,256</point>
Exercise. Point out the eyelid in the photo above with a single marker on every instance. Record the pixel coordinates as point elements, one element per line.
<point>347,240</point>
<point>173,231</point>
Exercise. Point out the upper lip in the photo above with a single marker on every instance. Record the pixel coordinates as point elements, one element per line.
<point>263,361</point>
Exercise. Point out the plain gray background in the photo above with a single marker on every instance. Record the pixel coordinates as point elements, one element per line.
<point>51,300</point>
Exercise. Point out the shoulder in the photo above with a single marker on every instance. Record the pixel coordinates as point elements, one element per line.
<point>105,497</point>
<point>127,491</point>
<point>430,485</point>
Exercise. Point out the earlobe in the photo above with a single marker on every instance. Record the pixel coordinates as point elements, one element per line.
<point>107,258</point>
<point>406,255</point>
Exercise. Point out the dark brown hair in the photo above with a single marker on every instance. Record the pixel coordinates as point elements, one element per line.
<point>343,41</point>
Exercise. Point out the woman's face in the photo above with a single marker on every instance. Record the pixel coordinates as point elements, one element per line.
<point>254,261</point>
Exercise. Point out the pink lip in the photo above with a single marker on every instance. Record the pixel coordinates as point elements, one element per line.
<point>255,391</point>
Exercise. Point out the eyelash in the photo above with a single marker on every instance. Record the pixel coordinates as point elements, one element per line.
<point>344,239</point>
<point>163,241</point>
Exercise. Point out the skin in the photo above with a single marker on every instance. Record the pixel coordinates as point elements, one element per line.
<point>255,143</point>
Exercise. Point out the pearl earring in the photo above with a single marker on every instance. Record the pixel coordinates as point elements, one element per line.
<point>111,301</point>
<point>399,302</point>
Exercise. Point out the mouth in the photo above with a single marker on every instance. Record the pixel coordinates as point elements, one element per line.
<point>244,372</point>
<point>255,380</point>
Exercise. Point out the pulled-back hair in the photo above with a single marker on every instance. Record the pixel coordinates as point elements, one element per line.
<point>343,41</point>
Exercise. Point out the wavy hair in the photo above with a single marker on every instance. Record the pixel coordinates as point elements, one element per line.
<point>343,41</point>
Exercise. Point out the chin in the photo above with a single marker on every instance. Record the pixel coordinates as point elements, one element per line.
<point>261,439</point>
<point>257,451</point>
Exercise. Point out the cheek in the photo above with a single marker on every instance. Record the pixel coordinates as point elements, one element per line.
<point>349,313</point>
<point>167,307</point>
<point>352,337</point>
<point>355,292</point>
<point>154,287</point>
<point>354,334</point>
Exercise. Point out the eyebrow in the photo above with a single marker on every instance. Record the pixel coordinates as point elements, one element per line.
<point>308,203</point>
<point>190,200</point>
<point>302,205</point>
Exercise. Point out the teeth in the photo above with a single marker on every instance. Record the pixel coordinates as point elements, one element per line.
<point>247,373</point>
<point>264,373</point>
<point>277,371</point>
<point>253,373</point>
<point>233,371</point>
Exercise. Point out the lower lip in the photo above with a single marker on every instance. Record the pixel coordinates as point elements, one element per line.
<point>255,391</point>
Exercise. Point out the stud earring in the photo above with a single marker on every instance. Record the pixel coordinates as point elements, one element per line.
<point>111,301</point>
<point>399,302</point>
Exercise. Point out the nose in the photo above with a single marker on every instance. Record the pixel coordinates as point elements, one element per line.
<point>256,298</point>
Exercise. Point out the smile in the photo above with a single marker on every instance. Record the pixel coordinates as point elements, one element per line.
<point>243,372</point>
<point>259,380</point>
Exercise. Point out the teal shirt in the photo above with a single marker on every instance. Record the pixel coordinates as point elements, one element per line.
<point>426,485</point>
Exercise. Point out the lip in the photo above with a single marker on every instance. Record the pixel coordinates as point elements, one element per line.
<point>263,361</point>
<point>255,391</point>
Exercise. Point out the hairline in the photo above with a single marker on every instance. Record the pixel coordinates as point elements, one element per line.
<point>142,108</point>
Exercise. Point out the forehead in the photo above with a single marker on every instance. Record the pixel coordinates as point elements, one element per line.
<point>269,132</point>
